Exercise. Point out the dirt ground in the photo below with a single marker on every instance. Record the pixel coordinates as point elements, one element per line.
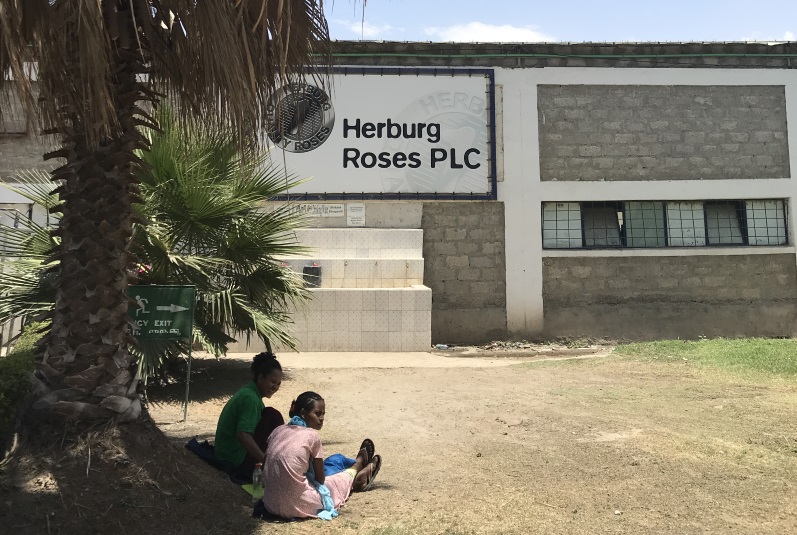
<point>594,445</point>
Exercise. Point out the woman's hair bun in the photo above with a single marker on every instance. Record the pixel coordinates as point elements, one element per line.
<point>264,363</point>
<point>264,355</point>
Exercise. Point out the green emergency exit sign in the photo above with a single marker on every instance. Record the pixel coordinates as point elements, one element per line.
<point>164,312</point>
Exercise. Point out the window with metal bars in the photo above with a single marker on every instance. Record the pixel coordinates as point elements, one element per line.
<point>641,224</point>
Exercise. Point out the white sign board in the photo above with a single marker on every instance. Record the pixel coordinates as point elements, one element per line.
<point>355,215</point>
<point>371,133</point>
<point>320,209</point>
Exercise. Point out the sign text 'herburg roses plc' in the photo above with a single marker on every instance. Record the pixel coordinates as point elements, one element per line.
<point>386,134</point>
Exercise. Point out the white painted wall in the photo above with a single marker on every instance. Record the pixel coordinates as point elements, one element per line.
<point>522,192</point>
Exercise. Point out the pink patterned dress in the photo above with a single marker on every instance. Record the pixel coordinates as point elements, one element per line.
<point>288,493</point>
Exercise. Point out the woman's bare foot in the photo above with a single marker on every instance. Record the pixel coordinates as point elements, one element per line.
<point>361,461</point>
<point>365,477</point>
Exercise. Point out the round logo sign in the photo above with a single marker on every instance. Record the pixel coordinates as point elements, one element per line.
<point>301,117</point>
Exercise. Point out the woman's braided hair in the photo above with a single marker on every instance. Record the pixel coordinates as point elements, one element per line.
<point>263,364</point>
<point>306,401</point>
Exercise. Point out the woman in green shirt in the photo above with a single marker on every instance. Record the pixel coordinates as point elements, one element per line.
<point>246,423</point>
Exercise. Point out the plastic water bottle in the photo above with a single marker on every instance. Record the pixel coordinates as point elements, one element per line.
<point>257,484</point>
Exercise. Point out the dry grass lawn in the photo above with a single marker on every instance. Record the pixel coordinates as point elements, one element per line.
<point>610,445</point>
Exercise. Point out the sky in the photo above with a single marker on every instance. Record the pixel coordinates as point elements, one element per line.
<point>563,21</point>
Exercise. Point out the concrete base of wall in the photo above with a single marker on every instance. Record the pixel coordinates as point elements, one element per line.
<point>647,298</point>
<point>672,321</point>
<point>468,326</point>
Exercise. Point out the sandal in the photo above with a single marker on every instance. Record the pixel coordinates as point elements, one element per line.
<point>370,449</point>
<point>373,469</point>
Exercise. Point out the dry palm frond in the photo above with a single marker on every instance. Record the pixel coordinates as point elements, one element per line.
<point>222,58</point>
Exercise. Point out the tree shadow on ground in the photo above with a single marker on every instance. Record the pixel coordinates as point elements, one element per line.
<point>211,380</point>
<point>116,478</point>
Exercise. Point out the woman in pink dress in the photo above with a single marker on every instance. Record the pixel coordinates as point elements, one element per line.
<point>293,450</point>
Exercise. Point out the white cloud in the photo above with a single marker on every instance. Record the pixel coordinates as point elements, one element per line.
<point>480,32</point>
<point>366,30</point>
<point>756,36</point>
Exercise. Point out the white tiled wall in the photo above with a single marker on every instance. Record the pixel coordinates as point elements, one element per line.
<point>371,297</point>
<point>363,272</point>
<point>363,243</point>
<point>368,319</point>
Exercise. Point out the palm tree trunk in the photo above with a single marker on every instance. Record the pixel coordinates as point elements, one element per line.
<point>88,371</point>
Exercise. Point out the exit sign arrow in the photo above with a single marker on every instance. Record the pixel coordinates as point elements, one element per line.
<point>171,308</point>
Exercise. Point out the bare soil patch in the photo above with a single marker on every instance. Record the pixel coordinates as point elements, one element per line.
<point>578,446</point>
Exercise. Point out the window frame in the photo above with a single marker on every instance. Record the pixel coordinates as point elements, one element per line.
<point>740,207</point>
<point>619,207</point>
<point>740,210</point>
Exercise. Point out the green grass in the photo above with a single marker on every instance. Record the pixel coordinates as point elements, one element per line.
<point>745,355</point>
<point>559,362</point>
<point>15,370</point>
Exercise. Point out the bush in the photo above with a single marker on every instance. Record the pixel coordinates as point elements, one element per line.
<point>30,335</point>
<point>15,370</point>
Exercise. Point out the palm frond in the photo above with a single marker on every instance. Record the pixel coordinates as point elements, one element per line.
<point>223,60</point>
<point>213,337</point>
<point>36,186</point>
<point>28,240</point>
<point>236,54</point>
<point>26,289</point>
<point>206,226</point>
<point>154,355</point>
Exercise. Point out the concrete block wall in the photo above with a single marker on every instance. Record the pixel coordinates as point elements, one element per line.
<point>670,297</point>
<point>20,149</point>
<point>23,152</point>
<point>625,132</point>
<point>465,266</point>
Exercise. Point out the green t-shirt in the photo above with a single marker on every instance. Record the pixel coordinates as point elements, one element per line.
<point>241,413</point>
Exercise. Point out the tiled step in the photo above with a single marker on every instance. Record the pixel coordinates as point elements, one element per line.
<point>362,272</point>
<point>362,243</point>
<point>368,319</point>
<point>371,296</point>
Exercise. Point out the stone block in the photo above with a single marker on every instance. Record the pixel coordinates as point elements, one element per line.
<point>457,261</point>
<point>492,274</point>
<point>763,137</point>
<point>581,272</point>
<point>466,247</point>
<point>481,234</point>
<point>452,234</point>
<point>486,287</point>
<point>493,248</point>
<point>434,234</point>
<point>482,261</point>
<point>469,274</point>
<point>444,248</point>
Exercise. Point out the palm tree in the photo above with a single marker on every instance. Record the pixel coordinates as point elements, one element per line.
<point>205,225</point>
<point>100,65</point>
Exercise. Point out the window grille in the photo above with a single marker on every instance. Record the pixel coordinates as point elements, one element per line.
<point>645,224</point>
<point>726,223</point>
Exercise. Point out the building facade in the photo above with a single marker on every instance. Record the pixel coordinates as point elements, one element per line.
<point>633,191</point>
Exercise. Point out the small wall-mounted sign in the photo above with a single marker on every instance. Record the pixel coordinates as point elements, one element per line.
<point>321,209</point>
<point>355,215</point>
